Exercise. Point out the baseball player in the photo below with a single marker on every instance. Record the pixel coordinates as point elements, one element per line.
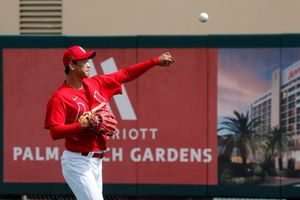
<point>78,113</point>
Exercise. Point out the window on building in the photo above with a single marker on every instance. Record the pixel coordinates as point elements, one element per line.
<point>283,123</point>
<point>292,89</point>
<point>292,113</point>
<point>291,105</point>
<point>291,120</point>
<point>291,127</point>
<point>292,97</point>
<point>283,115</point>
<point>283,101</point>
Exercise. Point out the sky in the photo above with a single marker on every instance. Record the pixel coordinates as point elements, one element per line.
<point>244,74</point>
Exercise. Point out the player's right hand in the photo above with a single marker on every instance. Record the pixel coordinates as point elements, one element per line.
<point>85,123</point>
<point>166,59</point>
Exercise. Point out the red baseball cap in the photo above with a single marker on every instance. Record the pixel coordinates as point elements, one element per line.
<point>76,53</point>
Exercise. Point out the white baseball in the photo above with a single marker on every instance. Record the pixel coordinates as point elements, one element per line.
<point>203,17</point>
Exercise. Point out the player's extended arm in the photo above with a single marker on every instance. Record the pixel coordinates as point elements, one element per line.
<point>132,72</point>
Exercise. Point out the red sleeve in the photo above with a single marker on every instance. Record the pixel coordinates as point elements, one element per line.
<point>134,71</point>
<point>64,131</point>
<point>56,112</point>
<point>55,120</point>
<point>112,83</point>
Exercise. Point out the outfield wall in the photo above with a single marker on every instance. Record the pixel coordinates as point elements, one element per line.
<point>168,140</point>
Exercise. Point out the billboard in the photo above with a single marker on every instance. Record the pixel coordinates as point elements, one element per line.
<point>258,107</point>
<point>165,132</point>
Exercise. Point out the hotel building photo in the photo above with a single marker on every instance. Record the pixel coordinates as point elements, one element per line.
<point>280,106</point>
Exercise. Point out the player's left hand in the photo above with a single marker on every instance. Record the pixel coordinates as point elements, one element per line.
<point>166,59</point>
<point>101,121</point>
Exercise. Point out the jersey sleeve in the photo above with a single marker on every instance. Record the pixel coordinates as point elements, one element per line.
<point>134,71</point>
<point>56,112</point>
<point>112,83</point>
<point>65,131</point>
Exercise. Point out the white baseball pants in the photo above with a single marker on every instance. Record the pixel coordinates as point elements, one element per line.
<point>83,175</point>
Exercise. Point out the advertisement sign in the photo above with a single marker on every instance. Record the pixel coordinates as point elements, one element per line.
<point>167,118</point>
<point>259,116</point>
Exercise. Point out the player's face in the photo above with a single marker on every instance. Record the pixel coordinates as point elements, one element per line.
<point>82,68</point>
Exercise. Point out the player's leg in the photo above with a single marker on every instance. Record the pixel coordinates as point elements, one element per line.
<point>97,170</point>
<point>79,175</point>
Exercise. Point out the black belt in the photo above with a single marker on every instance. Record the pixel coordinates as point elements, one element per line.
<point>95,155</point>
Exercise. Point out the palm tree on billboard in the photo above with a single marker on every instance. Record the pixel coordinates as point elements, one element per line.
<point>277,143</point>
<point>241,136</point>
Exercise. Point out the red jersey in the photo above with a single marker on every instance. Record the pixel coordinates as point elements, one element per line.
<point>67,104</point>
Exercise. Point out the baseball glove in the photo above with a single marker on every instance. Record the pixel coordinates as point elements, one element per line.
<point>103,122</point>
<point>100,120</point>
